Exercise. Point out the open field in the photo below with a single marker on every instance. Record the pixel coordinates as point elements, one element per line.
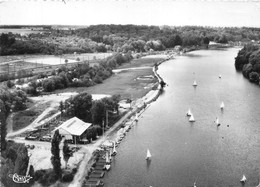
<point>83,56</point>
<point>20,31</point>
<point>45,63</point>
<point>147,61</point>
<point>124,83</point>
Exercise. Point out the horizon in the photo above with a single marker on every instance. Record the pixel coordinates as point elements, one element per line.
<point>207,13</point>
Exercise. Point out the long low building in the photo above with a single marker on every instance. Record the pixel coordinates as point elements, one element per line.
<point>73,129</point>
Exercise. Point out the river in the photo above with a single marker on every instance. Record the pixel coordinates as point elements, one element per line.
<point>184,152</point>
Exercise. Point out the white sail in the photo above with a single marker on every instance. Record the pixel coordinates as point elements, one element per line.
<point>107,167</point>
<point>148,155</point>
<point>188,113</point>
<point>114,149</point>
<point>191,118</point>
<point>217,122</point>
<point>243,179</point>
<point>107,158</point>
<point>222,105</point>
<point>195,83</point>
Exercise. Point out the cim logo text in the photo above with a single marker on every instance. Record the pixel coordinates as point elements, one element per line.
<point>20,178</point>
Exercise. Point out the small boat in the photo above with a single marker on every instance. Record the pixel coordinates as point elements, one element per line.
<point>219,76</point>
<point>110,155</point>
<point>222,105</point>
<point>195,83</point>
<point>114,150</point>
<point>191,118</point>
<point>258,185</point>
<point>107,167</point>
<point>148,155</point>
<point>188,113</point>
<point>194,184</point>
<point>136,118</point>
<point>107,158</point>
<point>217,122</point>
<point>243,180</point>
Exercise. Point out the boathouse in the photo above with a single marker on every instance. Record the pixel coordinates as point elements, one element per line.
<point>73,129</point>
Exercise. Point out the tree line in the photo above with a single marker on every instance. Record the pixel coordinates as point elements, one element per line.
<point>248,61</point>
<point>121,38</point>
<point>80,75</point>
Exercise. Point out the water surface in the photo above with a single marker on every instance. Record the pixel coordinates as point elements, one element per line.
<point>184,152</point>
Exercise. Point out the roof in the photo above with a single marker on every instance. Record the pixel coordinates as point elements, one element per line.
<point>74,126</point>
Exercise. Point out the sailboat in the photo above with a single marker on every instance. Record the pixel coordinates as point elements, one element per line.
<point>191,118</point>
<point>110,155</point>
<point>136,117</point>
<point>148,155</point>
<point>107,158</point>
<point>114,150</point>
<point>107,166</point>
<point>188,113</point>
<point>195,83</point>
<point>194,184</point>
<point>243,180</point>
<point>217,122</point>
<point>222,105</point>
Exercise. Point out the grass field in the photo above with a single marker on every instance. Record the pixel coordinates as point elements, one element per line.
<point>124,83</point>
<point>142,62</point>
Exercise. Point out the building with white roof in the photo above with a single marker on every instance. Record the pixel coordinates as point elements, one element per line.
<point>72,129</point>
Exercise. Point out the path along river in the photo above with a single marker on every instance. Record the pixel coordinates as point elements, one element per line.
<point>184,152</point>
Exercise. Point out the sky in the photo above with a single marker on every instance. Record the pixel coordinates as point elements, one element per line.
<point>140,12</point>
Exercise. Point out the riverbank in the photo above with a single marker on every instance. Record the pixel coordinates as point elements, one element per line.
<point>114,133</point>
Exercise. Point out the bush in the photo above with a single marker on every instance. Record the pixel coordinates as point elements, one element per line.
<point>97,79</point>
<point>254,77</point>
<point>67,177</point>
<point>46,178</point>
<point>9,84</point>
<point>38,175</point>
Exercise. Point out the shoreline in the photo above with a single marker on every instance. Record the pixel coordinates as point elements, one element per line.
<point>139,107</point>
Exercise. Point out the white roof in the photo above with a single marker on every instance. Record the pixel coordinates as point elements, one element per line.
<point>73,126</point>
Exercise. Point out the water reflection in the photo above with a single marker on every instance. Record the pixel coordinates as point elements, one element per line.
<point>148,163</point>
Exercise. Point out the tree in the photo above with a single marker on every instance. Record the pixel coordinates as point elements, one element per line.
<point>81,105</point>
<point>98,112</point>
<point>66,62</point>
<point>67,153</point>
<point>205,41</point>
<point>55,158</point>
<point>3,125</point>
<point>247,68</point>
<point>254,77</point>
<point>61,107</point>
<point>22,160</point>
<point>48,85</point>
<point>16,161</point>
<point>8,101</point>
<point>243,56</point>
